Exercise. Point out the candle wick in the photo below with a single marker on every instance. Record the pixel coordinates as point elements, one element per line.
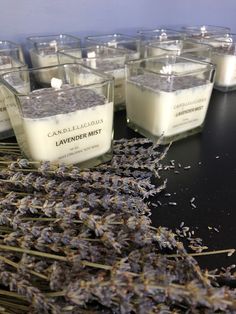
<point>56,83</point>
<point>53,44</point>
<point>167,70</point>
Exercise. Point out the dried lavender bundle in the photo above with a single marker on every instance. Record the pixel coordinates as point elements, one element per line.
<point>107,181</point>
<point>80,240</point>
<point>30,293</point>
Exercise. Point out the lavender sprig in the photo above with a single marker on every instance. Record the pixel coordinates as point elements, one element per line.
<point>32,294</point>
<point>83,237</point>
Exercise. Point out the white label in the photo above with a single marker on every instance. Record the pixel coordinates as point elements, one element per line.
<point>70,138</point>
<point>167,113</point>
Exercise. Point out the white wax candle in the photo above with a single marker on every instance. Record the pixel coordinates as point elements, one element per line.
<point>92,56</point>
<point>118,72</point>
<point>112,44</point>
<point>13,110</point>
<point>10,65</point>
<point>69,126</point>
<point>44,59</point>
<point>188,67</point>
<point>163,48</point>
<point>131,54</point>
<point>166,113</point>
<point>5,123</point>
<point>119,86</point>
<point>225,69</point>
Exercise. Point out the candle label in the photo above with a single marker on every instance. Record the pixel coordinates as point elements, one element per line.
<point>167,108</point>
<point>59,138</point>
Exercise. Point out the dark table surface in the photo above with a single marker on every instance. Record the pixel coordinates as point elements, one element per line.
<point>210,179</point>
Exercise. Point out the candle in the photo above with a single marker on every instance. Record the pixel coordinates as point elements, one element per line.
<point>107,60</point>
<point>168,102</point>
<point>11,59</point>
<point>226,71</point>
<point>224,56</point>
<point>43,52</point>
<point>199,31</point>
<point>67,123</point>
<point>157,36</point>
<point>130,44</point>
<point>185,48</point>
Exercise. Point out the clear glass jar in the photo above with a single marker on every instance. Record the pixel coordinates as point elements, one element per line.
<point>110,61</point>
<point>11,59</point>
<point>199,31</point>
<point>43,50</point>
<point>224,57</point>
<point>167,97</point>
<point>184,48</point>
<point>130,44</point>
<point>156,36</point>
<point>69,121</point>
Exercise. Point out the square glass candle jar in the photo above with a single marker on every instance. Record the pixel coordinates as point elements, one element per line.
<point>185,48</point>
<point>130,44</point>
<point>224,57</point>
<point>107,60</point>
<point>70,121</point>
<point>157,36</point>
<point>43,51</point>
<point>167,97</point>
<point>198,31</point>
<point>11,59</point>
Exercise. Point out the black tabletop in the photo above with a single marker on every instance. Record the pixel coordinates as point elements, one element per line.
<point>203,193</point>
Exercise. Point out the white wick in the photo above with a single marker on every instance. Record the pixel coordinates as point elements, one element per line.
<point>112,44</point>
<point>56,83</point>
<point>228,38</point>
<point>91,54</point>
<point>53,44</point>
<point>163,36</point>
<point>167,69</point>
<point>203,29</point>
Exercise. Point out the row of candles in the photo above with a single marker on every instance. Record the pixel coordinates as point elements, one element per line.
<point>62,108</point>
